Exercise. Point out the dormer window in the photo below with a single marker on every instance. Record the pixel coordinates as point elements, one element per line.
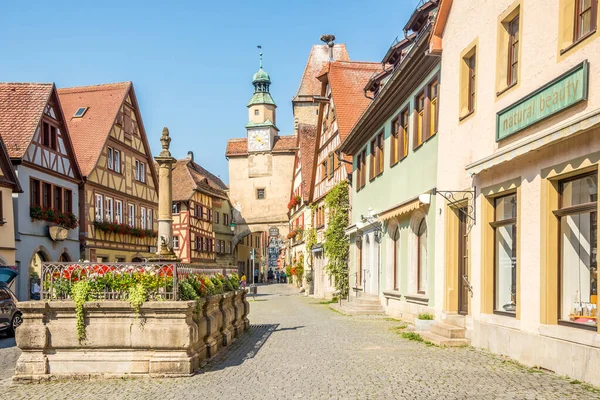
<point>80,112</point>
<point>256,111</point>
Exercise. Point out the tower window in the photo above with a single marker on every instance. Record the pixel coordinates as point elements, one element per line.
<point>260,194</point>
<point>256,111</point>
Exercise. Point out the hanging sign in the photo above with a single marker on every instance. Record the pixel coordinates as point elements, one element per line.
<point>563,92</point>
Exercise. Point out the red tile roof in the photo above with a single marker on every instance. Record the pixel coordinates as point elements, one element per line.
<point>21,108</point>
<point>239,146</point>
<point>347,80</point>
<point>189,177</point>
<point>307,135</point>
<point>318,57</point>
<point>89,133</point>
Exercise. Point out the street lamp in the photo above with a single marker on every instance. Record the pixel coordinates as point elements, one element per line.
<point>232,226</point>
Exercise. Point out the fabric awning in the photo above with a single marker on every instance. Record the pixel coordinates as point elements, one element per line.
<point>543,138</point>
<point>400,210</point>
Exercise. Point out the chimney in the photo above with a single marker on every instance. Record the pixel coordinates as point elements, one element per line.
<point>191,156</point>
<point>328,38</point>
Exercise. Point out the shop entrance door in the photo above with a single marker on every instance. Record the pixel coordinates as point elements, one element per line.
<point>463,262</point>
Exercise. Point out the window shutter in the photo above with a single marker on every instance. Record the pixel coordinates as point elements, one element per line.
<point>427,114</point>
<point>372,161</point>
<point>400,141</point>
<point>415,120</point>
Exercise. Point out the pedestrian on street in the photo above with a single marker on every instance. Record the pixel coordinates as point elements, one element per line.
<point>277,276</point>
<point>270,276</point>
<point>255,275</point>
<point>243,280</point>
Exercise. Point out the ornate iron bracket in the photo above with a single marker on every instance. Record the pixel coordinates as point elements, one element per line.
<point>462,200</point>
<point>466,279</point>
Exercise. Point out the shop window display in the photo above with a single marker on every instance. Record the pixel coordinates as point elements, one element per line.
<point>505,254</point>
<point>578,250</point>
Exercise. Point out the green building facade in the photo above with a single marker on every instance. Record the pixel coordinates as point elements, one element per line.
<point>395,154</point>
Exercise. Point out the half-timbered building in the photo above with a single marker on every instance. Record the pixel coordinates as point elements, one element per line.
<point>9,184</point>
<point>341,104</point>
<point>33,128</point>
<point>300,212</point>
<point>119,199</point>
<point>199,209</point>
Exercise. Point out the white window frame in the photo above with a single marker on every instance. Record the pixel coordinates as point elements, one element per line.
<point>143,217</point>
<point>119,211</point>
<point>110,216</point>
<point>110,158</point>
<point>149,218</point>
<point>132,215</point>
<point>99,208</point>
<point>175,242</point>
<point>140,171</point>
<point>117,161</point>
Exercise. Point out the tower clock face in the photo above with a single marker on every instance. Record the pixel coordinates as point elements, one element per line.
<point>258,140</point>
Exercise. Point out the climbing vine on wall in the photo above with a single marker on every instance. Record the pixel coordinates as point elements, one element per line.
<point>336,244</point>
<point>310,240</point>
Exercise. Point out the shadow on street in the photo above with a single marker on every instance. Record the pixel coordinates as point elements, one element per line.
<point>245,348</point>
<point>289,329</point>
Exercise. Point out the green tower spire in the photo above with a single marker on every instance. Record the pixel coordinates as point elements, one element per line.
<point>261,81</point>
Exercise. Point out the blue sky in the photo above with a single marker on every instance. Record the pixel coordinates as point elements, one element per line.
<point>191,62</point>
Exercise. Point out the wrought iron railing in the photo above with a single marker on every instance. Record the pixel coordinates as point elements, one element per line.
<point>111,281</point>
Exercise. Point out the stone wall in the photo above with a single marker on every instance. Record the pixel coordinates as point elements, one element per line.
<point>167,338</point>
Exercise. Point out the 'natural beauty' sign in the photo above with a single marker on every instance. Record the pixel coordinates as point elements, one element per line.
<point>563,92</point>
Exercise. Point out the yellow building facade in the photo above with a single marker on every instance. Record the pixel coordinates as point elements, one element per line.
<point>520,129</point>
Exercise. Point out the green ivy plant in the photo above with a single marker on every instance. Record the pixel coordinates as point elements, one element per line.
<point>187,291</point>
<point>336,245</point>
<point>80,293</point>
<point>310,240</point>
<point>137,297</point>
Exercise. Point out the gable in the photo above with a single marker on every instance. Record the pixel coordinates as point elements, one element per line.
<point>50,147</point>
<point>112,115</point>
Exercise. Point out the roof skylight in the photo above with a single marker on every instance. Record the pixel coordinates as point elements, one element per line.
<point>80,111</point>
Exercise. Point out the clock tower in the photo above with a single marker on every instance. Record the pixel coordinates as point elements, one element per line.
<point>261,168</point>
<point>261,128</point>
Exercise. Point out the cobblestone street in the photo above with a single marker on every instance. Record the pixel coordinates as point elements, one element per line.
<point>298,348</point>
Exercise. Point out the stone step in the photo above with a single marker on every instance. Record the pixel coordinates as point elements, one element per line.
<point>365,300</point>
<point>354,304</point>
<point>443,341</point>
<point>448,331</point>
<point>365,308</point>
<point>354,310</point>
<point>456,320</point>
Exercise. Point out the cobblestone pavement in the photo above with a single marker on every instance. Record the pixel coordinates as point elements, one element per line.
<point>298,348</point>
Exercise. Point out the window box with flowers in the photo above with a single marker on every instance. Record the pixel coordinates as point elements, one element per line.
<point>124,229</point>
<point>66,220</point>
<point>296,201</point>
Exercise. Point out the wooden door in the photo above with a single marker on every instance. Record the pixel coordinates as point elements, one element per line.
<point>463,262</point>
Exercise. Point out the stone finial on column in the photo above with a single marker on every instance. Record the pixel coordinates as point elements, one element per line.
<point>165,141</point>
